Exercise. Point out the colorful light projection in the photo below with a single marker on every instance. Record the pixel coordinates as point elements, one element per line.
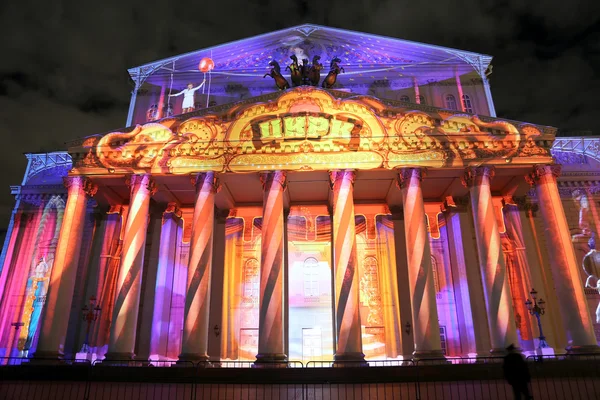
<point>239,326</point>
<point>308,129</point>
<point>38,271</point>
<point>310,334</point>
<point>309,284</point>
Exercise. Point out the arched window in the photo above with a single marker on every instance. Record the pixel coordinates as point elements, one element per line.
<point>405,99</point>
<point>251,282</point>
<point>421,99</point>
<point>466,100</point>
<point>311,277</point>
<point>450,102</point>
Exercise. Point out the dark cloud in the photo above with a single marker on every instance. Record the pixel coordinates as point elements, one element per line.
<point>63,71</point>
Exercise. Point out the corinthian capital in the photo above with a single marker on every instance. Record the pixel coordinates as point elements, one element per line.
<point>474,175</point>
<point>406,175</point>
<point>340,175</point>
<point>172,210</point>
<point>267,179</point>
<point>198,180</point>
<point>80,183</point>
<point>522,203</point>
<point>134,181</point>
<point>540,171</point>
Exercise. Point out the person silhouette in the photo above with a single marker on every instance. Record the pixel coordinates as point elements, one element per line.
<point>188,97</point>
<point>516,373</point>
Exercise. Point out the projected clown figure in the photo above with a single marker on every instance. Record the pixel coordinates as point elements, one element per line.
<point>188,97</point>
<point>37,286</point>
<point>591,266</point>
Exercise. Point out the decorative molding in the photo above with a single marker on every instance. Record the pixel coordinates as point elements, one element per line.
<point>116,209</point>
<point>39,162</point>
<point>568,158</point>
<point>521,203</point>
<point>455,203</point>
<point>574,150</point>
<point>172,210</point>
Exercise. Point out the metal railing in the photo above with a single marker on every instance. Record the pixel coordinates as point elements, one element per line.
<point>561,376</point>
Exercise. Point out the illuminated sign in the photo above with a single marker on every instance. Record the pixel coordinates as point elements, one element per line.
<point>308,129</point>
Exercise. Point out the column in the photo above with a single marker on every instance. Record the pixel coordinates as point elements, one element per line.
<point>345,269</point>
<point>194,345</point>
<point>66,261</point>
<point>425,324</point>
<point>271,348</point>
<point>540,272</point>
<point>127,299</point>
<point>403,288</point>
<point>467,278</point>
<point>100,284</point>
<point>460,90</point>
<point>218,280</point>
<point>569,288</point>
<point>417,94</point>
<point>498,299</point>
<point>161,316</point>
<point>134,92</point>
<point>161,102</point>
<point>13,232</point>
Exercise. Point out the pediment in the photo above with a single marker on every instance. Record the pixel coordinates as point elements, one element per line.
<point>363,55</point>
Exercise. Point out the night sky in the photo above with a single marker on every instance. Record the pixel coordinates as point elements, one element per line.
<point>63,68</point>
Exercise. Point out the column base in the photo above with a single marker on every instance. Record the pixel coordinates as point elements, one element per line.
<point>47,357</point>
<point>581,350</point>
<point>349,360</point>
<point>430,357</point>
<point>191,359</point>
<point>271,360</point>
<point>121,359</point>
<point>501,352</point>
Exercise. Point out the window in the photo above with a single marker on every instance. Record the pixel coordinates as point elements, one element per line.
<point>311,277</point>
<point>405,99</point>
<point>466,100</point>
<point>443,342</point>
<point>450,102</point>
<point>251,282</point>
<point>421,99</point>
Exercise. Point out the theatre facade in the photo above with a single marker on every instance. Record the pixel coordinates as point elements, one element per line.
<point>377,209</point>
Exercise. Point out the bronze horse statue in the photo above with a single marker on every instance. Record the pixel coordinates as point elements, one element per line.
<point>295,71</point>
<point>275,73</point>
<point>314,74</point>
<point>334,71</point>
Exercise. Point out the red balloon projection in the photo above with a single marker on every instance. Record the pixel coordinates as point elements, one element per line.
<point>206,64</point>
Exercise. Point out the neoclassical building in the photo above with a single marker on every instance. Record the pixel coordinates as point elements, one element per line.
<point>377,208</point>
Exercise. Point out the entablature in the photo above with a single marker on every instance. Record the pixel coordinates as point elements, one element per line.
<point>310,129</point>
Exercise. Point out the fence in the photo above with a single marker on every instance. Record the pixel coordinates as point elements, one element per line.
<point>553,377</point>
